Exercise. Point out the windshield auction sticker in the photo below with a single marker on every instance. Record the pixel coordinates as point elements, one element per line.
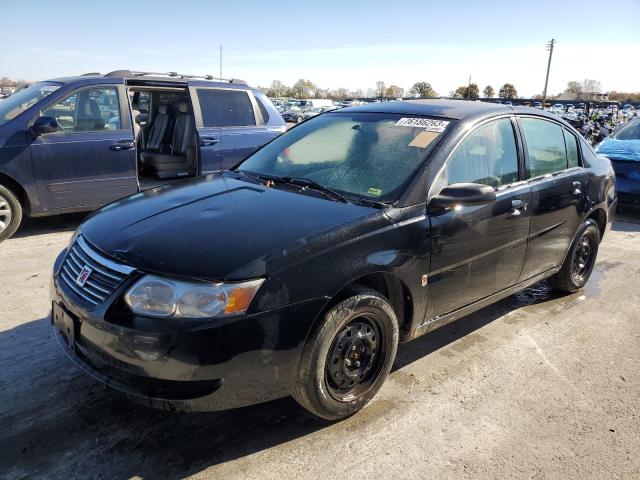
<point>428,124</point>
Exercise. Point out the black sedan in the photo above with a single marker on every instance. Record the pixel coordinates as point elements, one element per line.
<point>300,270</point>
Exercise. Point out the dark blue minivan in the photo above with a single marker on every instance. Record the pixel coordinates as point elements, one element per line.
<point>75,144</point>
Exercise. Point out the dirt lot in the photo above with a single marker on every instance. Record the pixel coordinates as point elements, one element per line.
<point>537,386</point>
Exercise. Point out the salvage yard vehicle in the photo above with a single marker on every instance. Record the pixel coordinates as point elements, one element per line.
<point>623,149</point>
<point>299,270</point>
<point>75,144</point>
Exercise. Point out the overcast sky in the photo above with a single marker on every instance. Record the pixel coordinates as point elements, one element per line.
<point>333,43</point>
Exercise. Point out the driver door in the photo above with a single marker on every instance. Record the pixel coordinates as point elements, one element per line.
<point>90,160</point>
<point>479,250</point>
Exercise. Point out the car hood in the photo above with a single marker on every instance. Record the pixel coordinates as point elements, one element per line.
<point>220,228</point>
<point>620,149</point>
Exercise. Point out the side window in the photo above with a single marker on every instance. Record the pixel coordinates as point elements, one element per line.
<point>572,149</point>
<point>226,108</point>
<point>545,146</point>
<point>88,110</point>
<point>488,155</point>
<point>263,110</point>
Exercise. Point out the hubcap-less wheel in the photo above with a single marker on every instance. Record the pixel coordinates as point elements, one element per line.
<point>5,214</point>
<point>354,359</point>
<point>583,257</point>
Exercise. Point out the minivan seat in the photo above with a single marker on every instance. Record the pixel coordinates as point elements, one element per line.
<point>181,160</point>
<point>88,116</point>
<point>153,135</point>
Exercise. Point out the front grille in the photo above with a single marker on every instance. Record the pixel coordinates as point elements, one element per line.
<point>89,275</point>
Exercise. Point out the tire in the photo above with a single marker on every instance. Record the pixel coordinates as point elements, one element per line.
<point>581,258</point>
<point>348,356</point>
<point>299,120</point>
<point>10,213</point>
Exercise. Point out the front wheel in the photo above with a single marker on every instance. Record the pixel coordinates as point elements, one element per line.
<point>10,213</point>
<point>581,258</point>
<point>348,356</point>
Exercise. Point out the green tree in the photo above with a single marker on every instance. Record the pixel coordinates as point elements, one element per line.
<point>467,91</point>
<point>423,90</point>
<point>393,91</point>
<point>488,91</point>
<point>303,89</point>
<point>508,91</point>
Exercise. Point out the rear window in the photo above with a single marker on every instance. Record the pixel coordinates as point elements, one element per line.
<point>545,146</point>
<point>226,108</point>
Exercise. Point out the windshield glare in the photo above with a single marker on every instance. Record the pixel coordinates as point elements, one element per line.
<point>19,102</point>
<point>369,155</point>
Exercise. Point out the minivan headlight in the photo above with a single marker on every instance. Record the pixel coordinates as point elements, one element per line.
<point>157,296</point>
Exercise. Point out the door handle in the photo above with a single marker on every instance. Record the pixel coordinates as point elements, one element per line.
<point>577,188</point>
<point>121,145</point>
<point>517,207</point>
<point>208,141</point>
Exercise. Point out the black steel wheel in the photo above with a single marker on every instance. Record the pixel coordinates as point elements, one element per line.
<point>580,259</point>
<point>355,358</point>
<point>347,356</point>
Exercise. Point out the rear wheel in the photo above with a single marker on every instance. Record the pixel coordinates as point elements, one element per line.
<point>10,213</point>
<point>578,265</point>
<point>347,358</point>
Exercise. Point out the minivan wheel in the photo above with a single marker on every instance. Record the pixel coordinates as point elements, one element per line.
<point>10,213</point>
<point>348,356</point>
<point>578,264</point>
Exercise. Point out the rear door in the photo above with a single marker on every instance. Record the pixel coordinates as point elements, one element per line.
<point>90,160</point>
<point>230,124</point>
<point>479,250</point>
<point>558,185</point>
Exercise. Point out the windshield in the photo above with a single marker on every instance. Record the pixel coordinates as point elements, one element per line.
<point>19,102</point>
<point>367,155</point>
<point>631,131</point>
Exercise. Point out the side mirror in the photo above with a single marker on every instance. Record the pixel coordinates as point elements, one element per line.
<point>461,194</point>
<point>45,125</point>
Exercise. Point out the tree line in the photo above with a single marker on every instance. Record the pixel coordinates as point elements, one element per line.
<point>307,89</point>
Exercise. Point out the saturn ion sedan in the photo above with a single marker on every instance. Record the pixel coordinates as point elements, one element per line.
<point>298,271</point>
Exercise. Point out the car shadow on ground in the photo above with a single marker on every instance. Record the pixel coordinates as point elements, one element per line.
<point>44,225</point>
<point>56,422</point>
<point>627,220</point>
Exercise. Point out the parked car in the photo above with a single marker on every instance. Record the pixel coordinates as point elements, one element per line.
<point>299,270</point>
<point>623,149</point>
<point>77,143</point>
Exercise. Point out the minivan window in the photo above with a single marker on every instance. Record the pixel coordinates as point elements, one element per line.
<point>545,146</point>
<point>89,110</point>
<point>488,155</point>
<point>362,154</point>
<point>20,101</point>
<point>572,149</point>
<point>225,108</point>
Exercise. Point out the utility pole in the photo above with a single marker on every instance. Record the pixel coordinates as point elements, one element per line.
<point>221,62</point>
<point>546,80</point>
<point>469,88</point>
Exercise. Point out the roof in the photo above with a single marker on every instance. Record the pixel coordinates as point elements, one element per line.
<point>135,77</point>
<point>454,109</point>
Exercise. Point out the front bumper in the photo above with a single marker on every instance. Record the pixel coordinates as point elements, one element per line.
<point>188,366</point>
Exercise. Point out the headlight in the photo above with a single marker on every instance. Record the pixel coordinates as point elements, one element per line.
<point>156,296</point>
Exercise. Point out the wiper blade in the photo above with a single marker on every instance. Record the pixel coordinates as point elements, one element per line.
<point>365,202</point>
<point>308,183</point>
<point>251,178</point>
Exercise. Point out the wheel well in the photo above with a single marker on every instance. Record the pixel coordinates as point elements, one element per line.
<point>600,217</point>
<point>17,189</point>
<point>393,289</point>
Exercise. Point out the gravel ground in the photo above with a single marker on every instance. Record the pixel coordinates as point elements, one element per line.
<point>536,386</point>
